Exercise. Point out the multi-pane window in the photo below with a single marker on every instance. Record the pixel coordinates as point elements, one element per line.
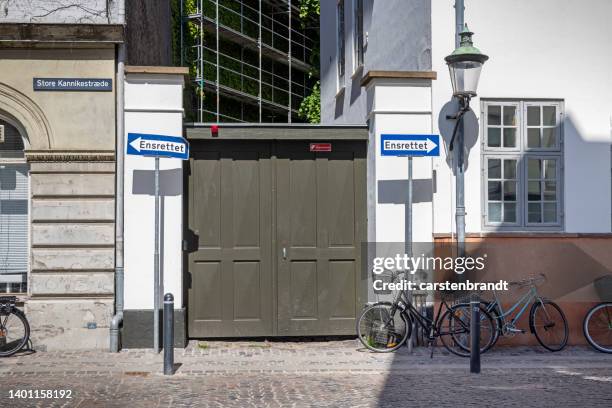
<point>542,190</point>
<point>340,43</point>
<point>522,165</point>
<point>502,185</point>
<point>358,35</point>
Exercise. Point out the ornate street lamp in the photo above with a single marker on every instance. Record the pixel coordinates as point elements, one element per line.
<point>464,65</point>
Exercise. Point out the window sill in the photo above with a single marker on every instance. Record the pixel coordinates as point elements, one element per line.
<point>528,234</point>
<point>340,92</point>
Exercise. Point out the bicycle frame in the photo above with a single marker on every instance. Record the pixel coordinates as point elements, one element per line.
<point>425,322</point>
<point>525,300</point>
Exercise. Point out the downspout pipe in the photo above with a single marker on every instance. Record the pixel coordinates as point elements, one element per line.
<point>117,319</point>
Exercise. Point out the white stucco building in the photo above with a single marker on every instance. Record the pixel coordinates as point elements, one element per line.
<point>540,170</point>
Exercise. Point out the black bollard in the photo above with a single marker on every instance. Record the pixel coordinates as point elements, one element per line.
<point>475,337</point>
<point>168,334</point>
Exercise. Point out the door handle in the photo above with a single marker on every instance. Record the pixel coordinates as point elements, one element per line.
<point>284,253</point>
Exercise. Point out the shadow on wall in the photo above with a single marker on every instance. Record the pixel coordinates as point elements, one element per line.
<point>144,184</point>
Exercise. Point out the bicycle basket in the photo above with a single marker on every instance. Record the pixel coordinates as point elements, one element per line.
<point>603,287</point>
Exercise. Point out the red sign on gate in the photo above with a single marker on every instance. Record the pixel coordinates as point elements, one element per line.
<point>320,147</point>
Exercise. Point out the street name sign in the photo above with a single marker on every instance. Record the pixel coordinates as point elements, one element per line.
<point>73,84</point>
<point>409,145</point>
<point>140,144</point>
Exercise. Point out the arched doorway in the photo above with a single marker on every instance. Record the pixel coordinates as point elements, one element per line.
<point>14,209</point>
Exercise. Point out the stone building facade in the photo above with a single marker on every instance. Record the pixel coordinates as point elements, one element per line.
<point>68,160</point>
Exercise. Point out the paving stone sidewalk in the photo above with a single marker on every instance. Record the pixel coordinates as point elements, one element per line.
<point>309,374</point>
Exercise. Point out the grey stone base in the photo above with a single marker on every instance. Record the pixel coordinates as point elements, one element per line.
<point>138,329</point>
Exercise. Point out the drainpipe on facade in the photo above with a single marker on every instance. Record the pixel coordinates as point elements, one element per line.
<point>117,319</point>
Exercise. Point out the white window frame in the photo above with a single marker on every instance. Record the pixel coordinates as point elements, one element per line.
<point>358,40</point>
<point>340,45</point>
<point>522,153</point>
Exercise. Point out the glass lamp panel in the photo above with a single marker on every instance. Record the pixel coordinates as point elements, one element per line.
<point>465,76</point>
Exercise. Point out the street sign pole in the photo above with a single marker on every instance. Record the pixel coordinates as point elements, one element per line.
<point>156,277</point>
<point>409,145</point>
<point>148,145</point>
<point>409,239</point>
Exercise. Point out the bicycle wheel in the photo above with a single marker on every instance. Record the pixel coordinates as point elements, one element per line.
<point>14,332</point>
<point>381,331</point>
<point>547,321</point>
<point>454,330</point>
<point>494,311</point>
<point>598,327</point>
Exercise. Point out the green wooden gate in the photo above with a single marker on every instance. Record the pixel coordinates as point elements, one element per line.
<point>275,232</point>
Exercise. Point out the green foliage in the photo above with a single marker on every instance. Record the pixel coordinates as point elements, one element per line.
<point>310,109</point>
<point>309,9</point>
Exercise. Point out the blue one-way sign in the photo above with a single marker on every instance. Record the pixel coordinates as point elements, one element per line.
<point>409,145</point>
<point>140,144</point>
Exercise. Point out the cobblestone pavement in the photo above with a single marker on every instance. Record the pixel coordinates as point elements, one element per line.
<point>309,374</point>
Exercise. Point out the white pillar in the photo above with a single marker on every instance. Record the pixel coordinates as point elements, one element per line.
<point>153,105</point>
<point>398,103</point>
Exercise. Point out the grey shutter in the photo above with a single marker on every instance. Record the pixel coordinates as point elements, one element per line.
<point>13,227</point>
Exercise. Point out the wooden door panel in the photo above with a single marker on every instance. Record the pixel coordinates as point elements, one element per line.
<point>230,213</point>
<point>320,224</point>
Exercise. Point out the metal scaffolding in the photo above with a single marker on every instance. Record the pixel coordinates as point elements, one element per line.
<point>250,59</point>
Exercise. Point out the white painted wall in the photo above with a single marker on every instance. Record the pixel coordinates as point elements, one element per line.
<point>537,49</point>
<point>153,104</point>
<point>401,107</point>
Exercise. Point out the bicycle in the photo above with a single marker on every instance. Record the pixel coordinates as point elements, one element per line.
<point>546,319</point>
<point>14,327</point>
<point>386,326</point>
<point>597,325</point>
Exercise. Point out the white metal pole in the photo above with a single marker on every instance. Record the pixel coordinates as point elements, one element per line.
<point>409,243</point>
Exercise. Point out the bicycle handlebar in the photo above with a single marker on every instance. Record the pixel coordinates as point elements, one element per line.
<point>534,280</point>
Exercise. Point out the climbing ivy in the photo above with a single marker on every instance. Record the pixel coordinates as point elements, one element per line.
<point>309,9</point>
<point>310,108</point>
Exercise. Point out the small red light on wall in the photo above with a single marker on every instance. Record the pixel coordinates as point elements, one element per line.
<point>214,130</point>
